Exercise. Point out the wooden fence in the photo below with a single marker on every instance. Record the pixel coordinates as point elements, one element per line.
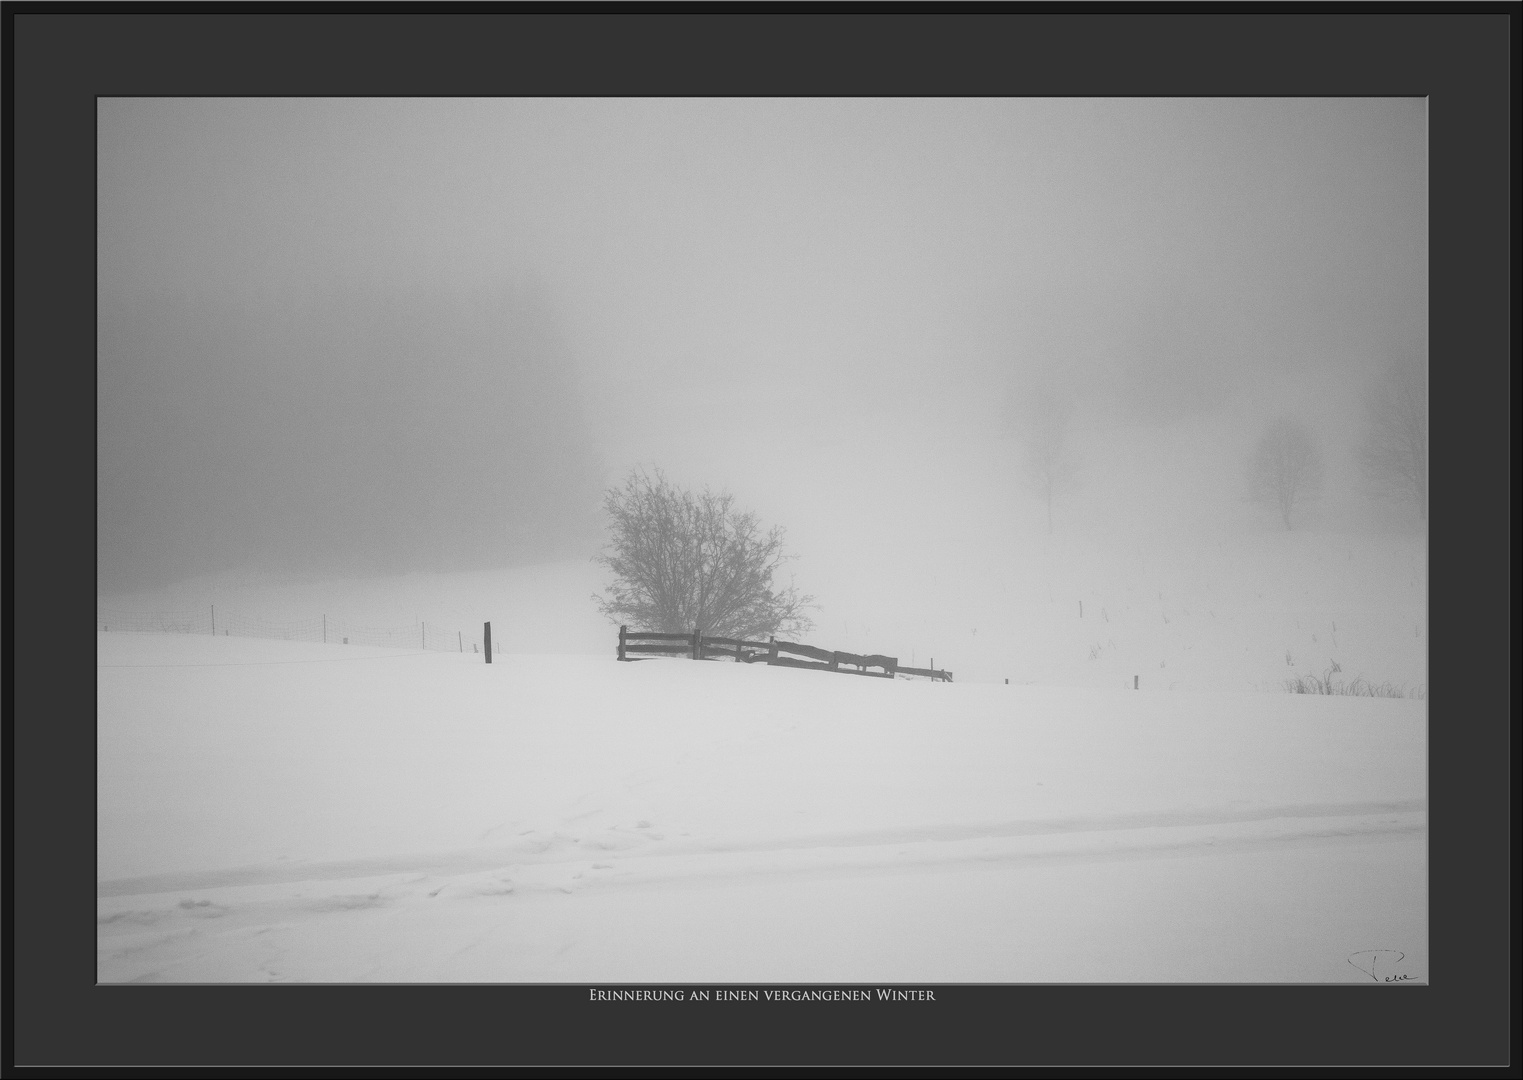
<point>694,646</point>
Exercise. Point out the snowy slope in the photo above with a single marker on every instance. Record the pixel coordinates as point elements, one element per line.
<point>276,810</point>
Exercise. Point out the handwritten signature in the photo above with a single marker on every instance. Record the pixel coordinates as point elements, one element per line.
<point>1377,964</point>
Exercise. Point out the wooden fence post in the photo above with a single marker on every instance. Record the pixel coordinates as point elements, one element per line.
<point>835,661</point>
<point>772,652</point>
<point>622,631</point>
<point>460,640</point>
<point>486,640</point>
<point>697,645</point>
<point>214,620</point>
<point>740,652</point>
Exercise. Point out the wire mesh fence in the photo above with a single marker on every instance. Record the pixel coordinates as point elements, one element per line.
<point>326,629</point>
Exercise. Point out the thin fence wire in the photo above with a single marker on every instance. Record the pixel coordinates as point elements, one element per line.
<point>326,629</point>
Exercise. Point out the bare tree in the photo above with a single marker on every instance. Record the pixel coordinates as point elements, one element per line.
<point>683,561</point>
<point>1285,470</point>
<point>1042,427</point>
<point>1395,456</point>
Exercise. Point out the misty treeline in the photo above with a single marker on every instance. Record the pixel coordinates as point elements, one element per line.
<point>335,429</point>
<point>685,560</point>
<point>1286,468</point>
<point>1395,452</point>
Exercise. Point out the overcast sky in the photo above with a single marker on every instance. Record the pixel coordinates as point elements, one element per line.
<point>397,272</point>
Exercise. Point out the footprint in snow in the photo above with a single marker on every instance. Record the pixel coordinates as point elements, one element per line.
<point>145,918</point>
<point>349,902</point>
<point>202,909</point>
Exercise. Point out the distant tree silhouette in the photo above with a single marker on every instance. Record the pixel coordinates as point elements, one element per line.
<point>1042,427</point>
<point>1285,470</point>
<point>1395,455</point>
<point>683,560</point>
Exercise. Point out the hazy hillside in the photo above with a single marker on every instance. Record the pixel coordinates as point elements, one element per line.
<point>289,810</point>
<point>961,569</point>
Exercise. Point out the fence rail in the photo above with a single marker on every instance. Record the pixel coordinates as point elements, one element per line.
<point>650,645</point>
<point>219,622</point>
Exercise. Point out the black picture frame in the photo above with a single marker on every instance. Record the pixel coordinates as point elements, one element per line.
<point>60,58</point>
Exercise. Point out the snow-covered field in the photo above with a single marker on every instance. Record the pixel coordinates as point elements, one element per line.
<point>278,811</point>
